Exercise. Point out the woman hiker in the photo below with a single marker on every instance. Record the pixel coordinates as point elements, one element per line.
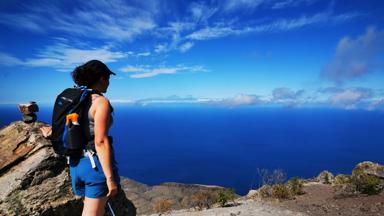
<point>97,185</point>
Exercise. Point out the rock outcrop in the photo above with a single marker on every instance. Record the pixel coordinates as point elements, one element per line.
<point>34,180</point>
<point>369,168</point>
<point>181,196</point>
<point>325,177</point>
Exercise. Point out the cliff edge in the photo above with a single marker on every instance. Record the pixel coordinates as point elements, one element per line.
<point>34,180</point>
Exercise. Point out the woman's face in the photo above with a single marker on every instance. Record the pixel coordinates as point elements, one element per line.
<point>104,83</point>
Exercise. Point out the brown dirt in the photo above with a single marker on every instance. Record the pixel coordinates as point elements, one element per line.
<point>319,199</point>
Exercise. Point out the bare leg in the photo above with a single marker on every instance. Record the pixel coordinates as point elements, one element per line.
<point>94,206</point>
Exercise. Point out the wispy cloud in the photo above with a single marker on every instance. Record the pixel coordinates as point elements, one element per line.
<point>350,98</point>
<point>231,5</point>
<point>235,101</point>
<point>122,101</point>
<point>239,100</point>
<point>201,12</point>
<point>117,21</point>
<point>286,95</point>
<point>376,105</point>
<point>279,25</point>
<point>90,19</point>
<point>173,99</point>
<point>355,58</point>
<point>63,57</point>
<point>250,5</point>
<point>185,47</point>
<point>290,3</point>
<point>145,71</point>
<point>9,60</point>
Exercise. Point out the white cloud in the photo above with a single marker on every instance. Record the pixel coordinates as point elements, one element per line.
<point>161,48</point>
<point>94,19</point>
<point>122,101</point>
<point>174,99</point>
<point>211,32</point>
<point>144,54</point>
<point>154,72</point>
<point>63,57</point>
<point>350,98</point>
<point>355,58</point>
<point>145,71</point>
<point>201,12</point>
<point>376,104</point>
<point>9,60</point>
<point>280,25</point>
<point>235,101</point>
<point>286,94</point>
<point>185,47</point>
<point>134,69</point>
<point>116,21</point>
<point>290,3</point>
<point>242,4</point>
<point>238,100</point>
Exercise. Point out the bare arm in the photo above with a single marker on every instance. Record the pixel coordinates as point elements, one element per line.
<point>102,145</point>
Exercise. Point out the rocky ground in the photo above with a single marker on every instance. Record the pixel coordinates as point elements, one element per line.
<point>243,208</point>
<point>319,200</point>
<point>322,199</point>
<point>35,181</point>
<point>180,195</point>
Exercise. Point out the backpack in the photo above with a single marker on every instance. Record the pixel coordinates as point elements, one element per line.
<point>70,123</point>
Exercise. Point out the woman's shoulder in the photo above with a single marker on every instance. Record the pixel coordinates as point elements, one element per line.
<point>100,100</point>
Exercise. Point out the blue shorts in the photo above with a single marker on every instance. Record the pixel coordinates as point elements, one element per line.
<point>90,182</point>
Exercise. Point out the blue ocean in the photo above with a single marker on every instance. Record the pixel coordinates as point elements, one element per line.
<point>225,146</point>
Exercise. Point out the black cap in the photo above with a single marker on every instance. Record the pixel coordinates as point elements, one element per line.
<point>98,67</point>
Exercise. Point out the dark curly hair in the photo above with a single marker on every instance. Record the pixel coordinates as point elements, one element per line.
<point>90,72</point>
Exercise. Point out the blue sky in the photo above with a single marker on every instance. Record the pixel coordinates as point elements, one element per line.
<point>295,53</point>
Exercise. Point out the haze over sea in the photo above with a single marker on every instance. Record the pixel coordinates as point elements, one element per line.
<point>225,146</point>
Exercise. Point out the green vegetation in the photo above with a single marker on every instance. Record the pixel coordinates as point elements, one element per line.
<point>296,186</point>
<point>281,191</point>
<point>366,184</point>
<point>225,196</point>
<point>274,187</point>
<point>342,179</point>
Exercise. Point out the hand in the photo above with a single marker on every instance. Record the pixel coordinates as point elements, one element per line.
<point>112,188</point>
<point>46,130</point>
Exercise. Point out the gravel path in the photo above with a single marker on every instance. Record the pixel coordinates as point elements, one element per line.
<point>247,208</point>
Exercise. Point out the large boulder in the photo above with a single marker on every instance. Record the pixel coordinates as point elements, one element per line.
<point>369,168</point>
<point>35,181</point>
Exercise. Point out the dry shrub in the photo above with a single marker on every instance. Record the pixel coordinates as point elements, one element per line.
<point>342,179</point>
<point>268,177</point>
<point>203,200</point>
<point>163,205</point>
<point>265,191</point>
<point>281,191</point>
